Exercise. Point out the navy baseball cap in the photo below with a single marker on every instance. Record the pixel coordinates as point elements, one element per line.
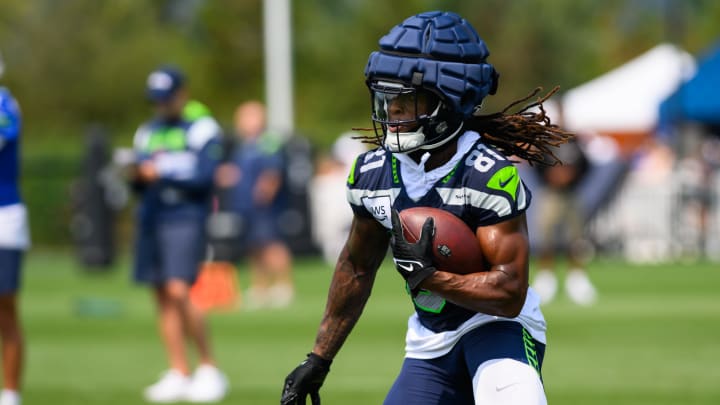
<point>163,83</point>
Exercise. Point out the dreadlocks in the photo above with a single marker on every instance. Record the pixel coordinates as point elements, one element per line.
<point>526,134</point>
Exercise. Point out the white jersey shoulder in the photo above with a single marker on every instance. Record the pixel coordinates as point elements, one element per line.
<point>141,137</point>
<point>203,131</point>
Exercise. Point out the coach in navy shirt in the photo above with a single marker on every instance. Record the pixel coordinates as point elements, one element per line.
<point>177,153</point>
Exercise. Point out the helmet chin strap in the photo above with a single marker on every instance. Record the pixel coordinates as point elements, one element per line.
<point>406,142</point>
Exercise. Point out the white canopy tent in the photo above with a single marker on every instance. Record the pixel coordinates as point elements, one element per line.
<point>625,100</point>
<point>624,104</point>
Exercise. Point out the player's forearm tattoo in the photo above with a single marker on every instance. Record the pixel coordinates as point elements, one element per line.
<point>349,291</point>
<point>351,284</point>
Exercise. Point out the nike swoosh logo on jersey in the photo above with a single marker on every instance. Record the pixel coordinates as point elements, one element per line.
<point>505,183</point>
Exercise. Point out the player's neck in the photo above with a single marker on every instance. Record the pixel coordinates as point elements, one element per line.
<point>438,157</point>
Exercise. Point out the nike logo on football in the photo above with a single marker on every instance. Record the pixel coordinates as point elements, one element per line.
<point>505,183</point>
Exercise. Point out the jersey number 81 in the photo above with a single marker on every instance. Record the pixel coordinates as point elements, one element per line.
<point>482,158</point>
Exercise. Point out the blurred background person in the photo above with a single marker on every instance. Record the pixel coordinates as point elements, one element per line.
<point>696,202</point>
<point>331,216</point>
<point>256,176</point>
<point>217,286</point>
<point>177,153</point>
<point>14,240</point>
<point>561,224</point>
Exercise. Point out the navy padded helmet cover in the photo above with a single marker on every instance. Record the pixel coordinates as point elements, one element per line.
<point>447,51</point>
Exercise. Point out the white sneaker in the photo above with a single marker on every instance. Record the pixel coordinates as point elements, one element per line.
<point>281,295</point>
<point>208,385</point>
<point>579,288</point>
<point>545,285</point>
<point>256,298</point>
<point>172,387</point>
<point>9,397</point>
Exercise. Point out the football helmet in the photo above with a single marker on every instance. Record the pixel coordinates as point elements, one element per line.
<point>429,75</point>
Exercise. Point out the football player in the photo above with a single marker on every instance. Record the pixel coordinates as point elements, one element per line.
<point>14,240</point>
<point>474,338</point>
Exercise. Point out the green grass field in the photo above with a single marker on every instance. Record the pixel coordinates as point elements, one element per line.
<point>654,338</point>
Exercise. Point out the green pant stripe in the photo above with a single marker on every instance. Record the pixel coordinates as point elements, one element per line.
<point>530,351</point>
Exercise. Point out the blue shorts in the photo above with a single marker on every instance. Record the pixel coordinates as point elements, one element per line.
<point>261,229</point>
<point>447,380</point>
<point>172,249</point>
<point>10,265</point>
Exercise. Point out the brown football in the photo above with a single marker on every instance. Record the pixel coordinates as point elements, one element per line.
<point>455,247</point>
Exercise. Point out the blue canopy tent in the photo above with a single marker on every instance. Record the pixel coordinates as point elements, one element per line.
<point>696,100</point>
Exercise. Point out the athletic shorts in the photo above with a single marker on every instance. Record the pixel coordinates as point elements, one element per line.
<point>170,250</point>
<point>559,211</point>
<point>10,265</point>
<point>261,229</point>
<point>447,380</point>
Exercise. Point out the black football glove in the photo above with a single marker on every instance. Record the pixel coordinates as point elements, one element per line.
<point>413,260</point>
<point>306,379</point>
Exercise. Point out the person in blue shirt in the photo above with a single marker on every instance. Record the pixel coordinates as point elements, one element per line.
<point>177,152</point>
<point>14,240</point>
<point>255,176</point>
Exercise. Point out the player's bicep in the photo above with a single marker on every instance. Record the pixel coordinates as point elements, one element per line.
<point>505,247</point>
<point>366,245</point>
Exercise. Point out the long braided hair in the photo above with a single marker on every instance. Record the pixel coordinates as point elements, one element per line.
<point>526,133</point>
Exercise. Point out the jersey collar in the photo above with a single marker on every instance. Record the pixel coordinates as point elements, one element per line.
<point>417,181</point>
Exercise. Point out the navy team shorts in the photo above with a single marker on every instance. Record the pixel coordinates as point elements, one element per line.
<point>261,229</point>
<point>447,380</point>
<point>171,250</point>
<point>10,265</point>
